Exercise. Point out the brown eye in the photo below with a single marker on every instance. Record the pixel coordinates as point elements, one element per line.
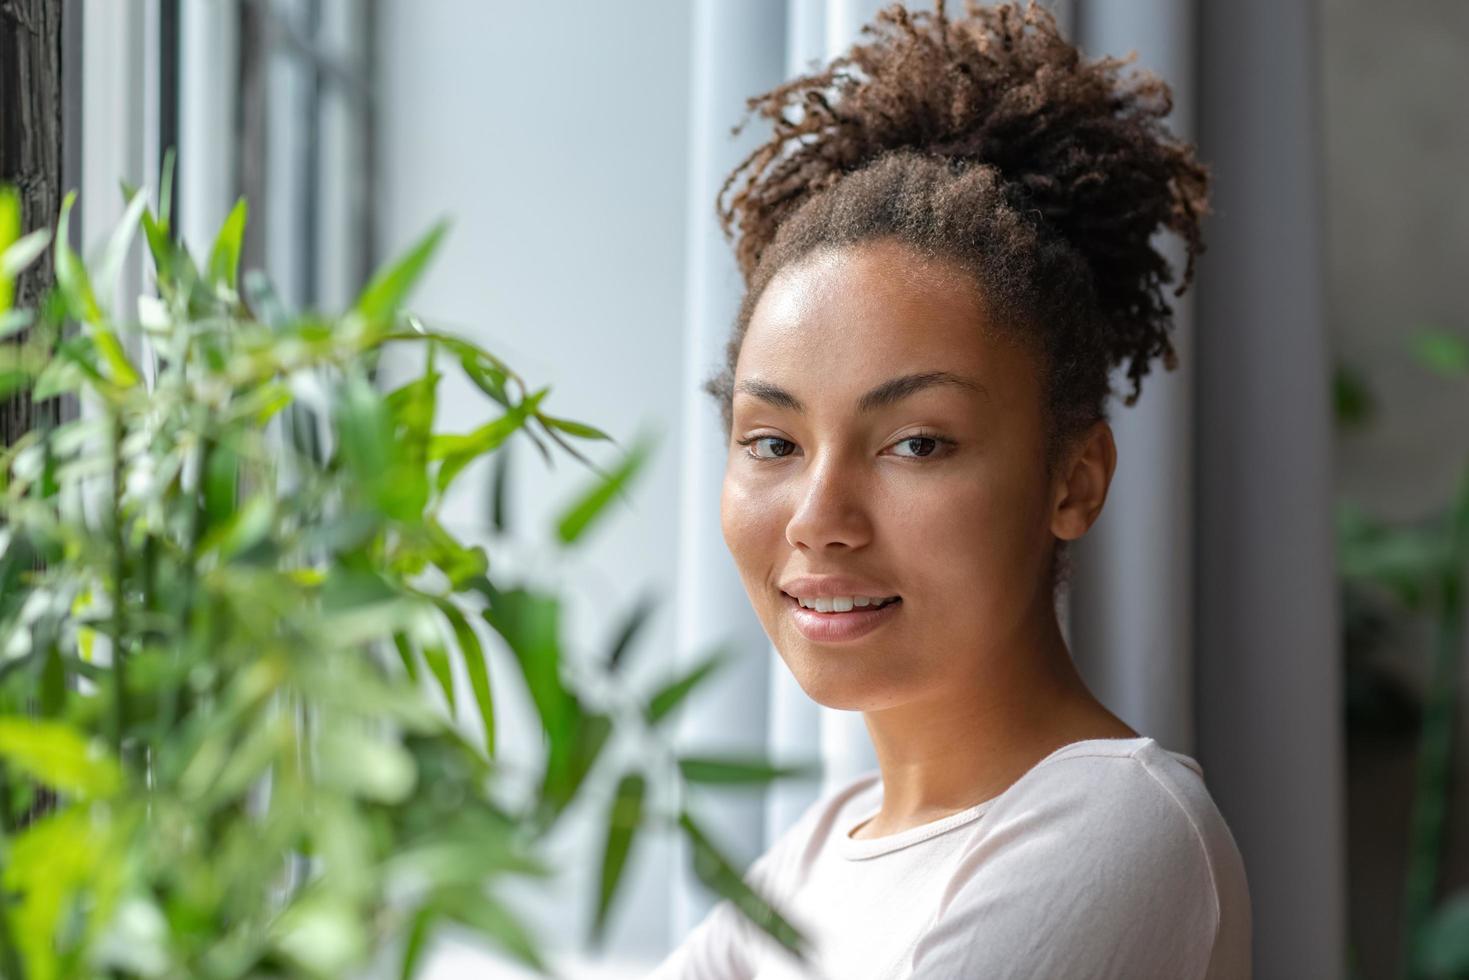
<point>924,446</point>
<point>756,440</point>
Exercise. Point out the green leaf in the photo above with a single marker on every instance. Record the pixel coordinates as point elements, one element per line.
<point>716,872</point>
<point>71,275</point>
<point>416,941</point>
<point>475,666</point>
<point>374,456</point>
<point>9,234</point>
<point>458,451</point>
<point>592,502</point>
<point>59,755</point>
<point>162,249</point>
<point>1443,947</point>
<point>577,429</point>
<point>16,254</point>
<point>81,302</point>
<point>437,659</point>
<point>244,529</point>
<point>500,489</point>
<point>1402,560</point>
<point>571,757</point>
<point>1443,352</point>
<point>17,257</point>
<point>123,374</point>
<point>390,286</point>
<point>528,623</point>
<point>485,915</point>
<point>117,247</point>
<point>9,216</point>
<point>224,257</point>
<point>630,628</point>
<point>220,485</point>
<point>672,695</point>
<point>53,683</point>
<point>742,772</point>
<point>1355,405</point>
<point>623,821</point>
<point>14,321</point>
<point>59,866</point>
<point>405,653</point>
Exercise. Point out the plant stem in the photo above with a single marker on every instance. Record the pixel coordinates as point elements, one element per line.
<point>1434,771</point>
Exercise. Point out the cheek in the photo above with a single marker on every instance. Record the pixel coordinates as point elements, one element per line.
<point>749,520</point>
<point>975,537</point>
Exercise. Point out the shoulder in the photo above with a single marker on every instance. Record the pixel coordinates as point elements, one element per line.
<point>1103,847</point>
<point>1140,798</point>
<point>1095,863</point>
<point>1120,805</point>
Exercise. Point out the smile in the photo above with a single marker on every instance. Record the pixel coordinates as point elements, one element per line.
<point>830,625</point>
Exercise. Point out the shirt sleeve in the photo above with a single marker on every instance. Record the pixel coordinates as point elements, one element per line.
<point>1104,878</point>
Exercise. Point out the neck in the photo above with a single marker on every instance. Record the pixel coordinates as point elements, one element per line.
<point>967,743</point>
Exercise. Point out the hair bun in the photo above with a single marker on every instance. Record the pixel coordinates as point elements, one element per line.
<point>1076,144</point>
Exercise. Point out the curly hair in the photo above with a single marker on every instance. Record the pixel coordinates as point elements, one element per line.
<point>989,142</point>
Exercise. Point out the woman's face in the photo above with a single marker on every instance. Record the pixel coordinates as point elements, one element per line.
<point>900,448</point>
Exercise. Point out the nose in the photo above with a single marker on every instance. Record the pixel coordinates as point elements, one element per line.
<point>830,511</point>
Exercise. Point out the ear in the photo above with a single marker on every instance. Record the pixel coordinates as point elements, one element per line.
<point>1082,482</point>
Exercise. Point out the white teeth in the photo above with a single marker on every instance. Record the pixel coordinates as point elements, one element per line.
<point>845,603</point>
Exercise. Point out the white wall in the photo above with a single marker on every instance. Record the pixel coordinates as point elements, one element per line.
<point>556,137</point>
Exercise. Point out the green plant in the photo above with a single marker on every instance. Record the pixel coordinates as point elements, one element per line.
<point>228,613</point>
<point>1421,566</point>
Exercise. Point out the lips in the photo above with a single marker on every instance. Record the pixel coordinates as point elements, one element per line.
<point>825,586</point>
<point>840,627</point>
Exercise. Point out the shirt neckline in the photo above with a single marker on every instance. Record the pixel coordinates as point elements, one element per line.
<point>867,797</point>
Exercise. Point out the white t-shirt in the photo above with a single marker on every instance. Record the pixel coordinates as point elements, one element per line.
<point>1108,858</point>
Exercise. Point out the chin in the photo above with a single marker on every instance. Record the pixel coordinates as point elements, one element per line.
<point>848,685</point>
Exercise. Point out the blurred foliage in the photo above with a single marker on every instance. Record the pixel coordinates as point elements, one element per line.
<point>1390,572</point>
<point>229,612</point>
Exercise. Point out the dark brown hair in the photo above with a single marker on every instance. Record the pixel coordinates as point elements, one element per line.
<point>989,142</point>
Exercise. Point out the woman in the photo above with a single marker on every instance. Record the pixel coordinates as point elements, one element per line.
<point>946,248</point>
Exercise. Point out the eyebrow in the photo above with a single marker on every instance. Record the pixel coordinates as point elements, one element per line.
<point>890,392</point>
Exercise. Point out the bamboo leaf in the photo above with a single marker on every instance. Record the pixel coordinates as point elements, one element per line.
<point>117,247</point>
<point>720,876</point>
<point>578,429</point>
<point>673,694</point>
<point>623,821</point>
<point>56,754</point>
<point>71,275</point>
<point>592,503</point>
<point>387,290</point>
<point>437,659</point>
<point>486,916</point>
<point>224,257</point>
<point>1443,948</point>
<point>475,666</point>
<point>742,772</point>
<point>417,939</point>
<point>631,626</point>
<point>1443,352</point>
<point>528,623</point>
